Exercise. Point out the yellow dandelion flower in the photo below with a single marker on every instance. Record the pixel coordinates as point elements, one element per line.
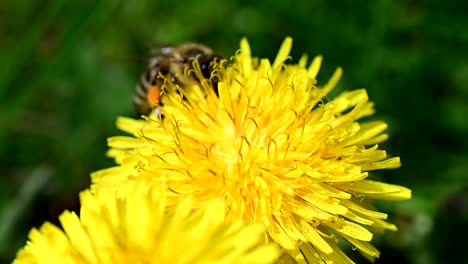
<point>131,225</point>
<point>272,148</point>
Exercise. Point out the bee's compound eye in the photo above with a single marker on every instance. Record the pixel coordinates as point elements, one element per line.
<point>205,67</point>
<point>153,96</point>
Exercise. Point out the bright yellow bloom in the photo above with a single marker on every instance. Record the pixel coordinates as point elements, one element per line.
<point>131,226</point>
<point>272,148</point>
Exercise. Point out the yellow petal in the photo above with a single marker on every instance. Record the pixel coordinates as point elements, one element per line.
<point>379,190</point>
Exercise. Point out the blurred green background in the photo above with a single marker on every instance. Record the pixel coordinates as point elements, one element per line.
<point>68,69</point>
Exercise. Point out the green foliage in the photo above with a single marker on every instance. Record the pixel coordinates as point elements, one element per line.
<point>68,69</point>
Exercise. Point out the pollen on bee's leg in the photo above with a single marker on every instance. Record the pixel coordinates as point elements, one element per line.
<point>154,93</point>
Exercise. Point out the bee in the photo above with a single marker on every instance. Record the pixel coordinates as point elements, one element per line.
<point>171,63</point>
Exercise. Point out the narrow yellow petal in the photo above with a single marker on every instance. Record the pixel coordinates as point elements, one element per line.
<point>130,125</point>
<point>332,82</point>
<point>124,142</point>
<point>363,211</point>
<point>367,131</point>
<point>245,53</point>
<point>379,190</point>
<point>365,247</point>
<point>283,53</point>
<point>315,238</point>
<point>352,230</point>
<point>303,61</point>
<point>78,235</point>
<point>391,163</point>
<point>315,67</point>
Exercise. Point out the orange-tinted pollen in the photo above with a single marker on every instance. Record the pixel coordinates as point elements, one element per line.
<point>154,93</point>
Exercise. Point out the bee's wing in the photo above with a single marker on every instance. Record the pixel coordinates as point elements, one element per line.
<point>161,49</point>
